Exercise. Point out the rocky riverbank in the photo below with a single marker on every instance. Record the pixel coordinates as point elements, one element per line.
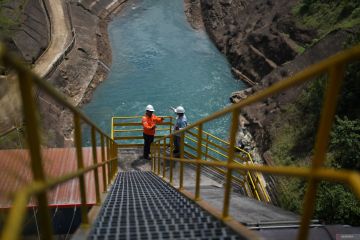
<point>263,43</point>
<point>85,63</point>
<point>85,67</point>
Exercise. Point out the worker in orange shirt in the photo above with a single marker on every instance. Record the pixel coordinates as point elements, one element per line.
<point>149,122</point>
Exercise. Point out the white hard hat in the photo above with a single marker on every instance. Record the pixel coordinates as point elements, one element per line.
<point>180,109</point>
<point>150,108</point>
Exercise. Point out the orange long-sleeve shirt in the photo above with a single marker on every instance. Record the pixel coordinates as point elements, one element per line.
<point>149,123</point>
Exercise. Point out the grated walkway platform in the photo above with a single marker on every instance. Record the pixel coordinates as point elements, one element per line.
<point>140,205</point>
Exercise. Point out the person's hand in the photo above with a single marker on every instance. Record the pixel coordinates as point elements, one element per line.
<point>153,127</point>
<point>162,119</point>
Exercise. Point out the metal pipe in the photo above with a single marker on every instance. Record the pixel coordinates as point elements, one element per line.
<point>181,178</point>
<point>96,174</point>
<point>158,158</point>
<point>228,180</point>
<point>33,140</point>
<point>171,162</point>
<point>336,74</point>
<point>108,166</point>
<point>164,158</point>
<point>103,160</point>
<point>198,166</point>
<point>80,165</point>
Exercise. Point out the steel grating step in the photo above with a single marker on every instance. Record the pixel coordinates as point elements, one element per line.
<point>140,205</point>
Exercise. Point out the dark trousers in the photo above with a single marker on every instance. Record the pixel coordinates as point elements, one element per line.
<point>177,140</point>
<point>148,139</point>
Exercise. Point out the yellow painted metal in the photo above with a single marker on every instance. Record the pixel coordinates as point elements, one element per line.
<point>107,158</point>
<point>215,168</point>
<point>301,77</point>
<point>315,174</point>
<point>152,151</point>
<point>198,166</point>
<point>253,185</point>
<point>327,174</point>
<point>138,130</point>
<point>112,128</point>
<point>251,180</point>
<point>171,162</point>
<point>264,196</point>
<point>158,157</point>
<point>164,158</point>
<point>134,137</point>
<point>33,140</point>
<point>181,179</point>
<point>41,185</point>
<point>336,74</point>
<point>233,131</point>
<point>207,144</point>
<point>354,181</point>
<point>80,165</point>
<point>125,125</point>
<point>95,161</point>
<point>12,229</point>
<point>13,226</point>
<point>116,157</point>
<point>102,144</point>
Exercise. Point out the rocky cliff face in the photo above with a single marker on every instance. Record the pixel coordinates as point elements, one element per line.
<point>263,44</point>
<point>256,36</point>
<point>29,37</point>
<point>83,65</point>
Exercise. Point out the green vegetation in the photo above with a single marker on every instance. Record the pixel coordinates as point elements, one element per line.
<point>326,16</point>
<point>13,139</point>
<point>10,14</point>
<point>6,23</point>
<point>300,49</point>
<point>292,144</point>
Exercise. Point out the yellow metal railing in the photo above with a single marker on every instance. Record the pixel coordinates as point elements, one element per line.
<point>213,147</point>
<point>334,67</point>
<point>40,185</point>
<point>127,131</point>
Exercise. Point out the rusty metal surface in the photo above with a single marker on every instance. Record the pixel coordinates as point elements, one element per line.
<point>15,173</point>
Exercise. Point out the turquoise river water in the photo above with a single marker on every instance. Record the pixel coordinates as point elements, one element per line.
<point>159,59</point>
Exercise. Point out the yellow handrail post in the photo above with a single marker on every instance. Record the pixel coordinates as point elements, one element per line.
<point>207,144</point>
<point>152,155</point>
<point>80,163</point>
<point>181,184</point>
<point>108,157</point>
<point>33,140</point>
<point>252,185</point>
<point>103,160</point>
<point>116,156</point>
<point>13,224</point>
<point>96,174</point>
<point>158,158</point>
<point>112,128</point>
<point>112,155</point>
<point>198,166</point>
<point>228,180</point>
<point>171,161</point>
<point>164,158</point>
<point>336,74</point>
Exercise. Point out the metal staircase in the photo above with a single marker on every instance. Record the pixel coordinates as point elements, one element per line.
<point>140,205</point>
